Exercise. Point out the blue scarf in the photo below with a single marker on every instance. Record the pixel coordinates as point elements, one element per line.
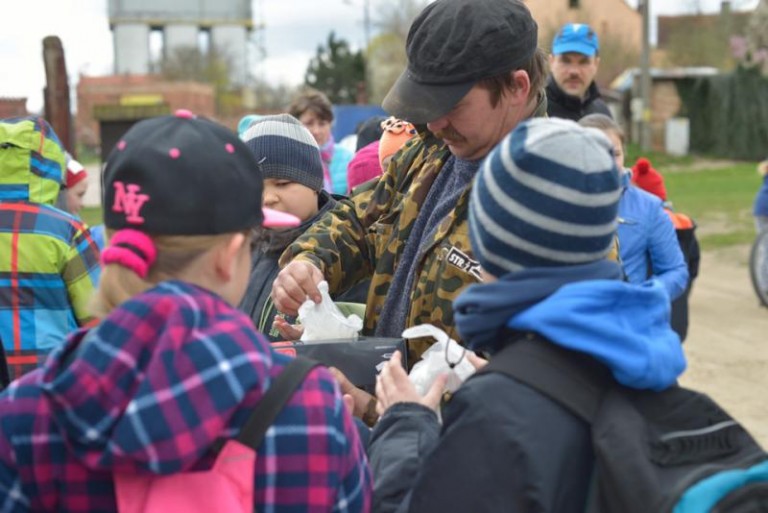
<point>482,311</point>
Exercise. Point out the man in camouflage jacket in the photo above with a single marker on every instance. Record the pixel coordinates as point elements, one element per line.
<point>467,85</point>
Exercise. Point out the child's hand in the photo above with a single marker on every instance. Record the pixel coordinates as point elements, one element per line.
<point>393,386</point>
<point>360,398</point>
<point>287,331</point>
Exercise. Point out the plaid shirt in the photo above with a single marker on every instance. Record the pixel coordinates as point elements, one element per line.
<point>151,389</point>
<point>48,271</point>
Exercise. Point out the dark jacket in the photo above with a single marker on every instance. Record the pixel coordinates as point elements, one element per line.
<point>563,105</point>
<point>496,430</point>
<point>685,229</point>
<point>257,302</point>
<point>503,446</point>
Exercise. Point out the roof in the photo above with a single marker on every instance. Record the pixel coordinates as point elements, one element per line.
<point>625,80</point>
<point>670,25</point>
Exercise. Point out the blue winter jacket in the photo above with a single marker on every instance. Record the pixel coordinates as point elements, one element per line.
<point>761,200</point>
<point>647,241</point>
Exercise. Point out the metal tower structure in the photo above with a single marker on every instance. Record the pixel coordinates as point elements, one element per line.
<point>228,22</point>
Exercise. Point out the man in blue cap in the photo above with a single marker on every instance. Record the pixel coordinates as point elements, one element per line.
<point>571,90</point>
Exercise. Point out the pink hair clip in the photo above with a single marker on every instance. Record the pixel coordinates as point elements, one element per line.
<point>132,249</point>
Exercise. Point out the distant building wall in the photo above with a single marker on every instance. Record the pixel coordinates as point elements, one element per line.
<point>232,40</point>
<point>179,36</point>
<point>13,107</point>
<point>131,48</point>
<point>614,17</point>
<point>137,90</point>
<point>665,105</point>
<point>229,21</point>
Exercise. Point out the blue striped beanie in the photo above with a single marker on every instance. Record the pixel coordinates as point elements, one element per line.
<point>547,195</point>
<point>285,149</point>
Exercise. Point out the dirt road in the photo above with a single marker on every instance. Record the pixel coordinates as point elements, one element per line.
<point>727,345</point>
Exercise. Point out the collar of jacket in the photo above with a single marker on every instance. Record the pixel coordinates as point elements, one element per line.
<point>568,101</point>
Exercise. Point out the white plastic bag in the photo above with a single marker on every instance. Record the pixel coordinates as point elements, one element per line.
<point>324,320</point>
<point>433,362</point>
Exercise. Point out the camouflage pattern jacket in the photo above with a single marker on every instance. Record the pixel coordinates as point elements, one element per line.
<point>365,235</point>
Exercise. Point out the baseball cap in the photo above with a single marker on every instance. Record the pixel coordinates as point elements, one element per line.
<point>577,38</point>
<point>451,45</point>
<point>184,175</point>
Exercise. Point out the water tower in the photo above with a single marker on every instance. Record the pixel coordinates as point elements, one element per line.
<point>225,24</point>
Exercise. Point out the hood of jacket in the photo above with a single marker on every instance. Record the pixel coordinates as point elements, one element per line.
<point>156,383</point>
<point>625,326</point>
<point>32,161</point>
<point>585,308</point>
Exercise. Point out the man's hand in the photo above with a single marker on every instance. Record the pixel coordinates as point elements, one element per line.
<point>393,386</point>
<point>295,283</point>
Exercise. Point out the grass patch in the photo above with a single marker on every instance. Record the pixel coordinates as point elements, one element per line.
<point>719,200</point>
<point>660,160</point>
<point>92,215</point>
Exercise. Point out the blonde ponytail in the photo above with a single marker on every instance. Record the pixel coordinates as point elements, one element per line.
<point>174,254</point>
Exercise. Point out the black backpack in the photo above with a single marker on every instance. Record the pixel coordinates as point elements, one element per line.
<point>670,451</point>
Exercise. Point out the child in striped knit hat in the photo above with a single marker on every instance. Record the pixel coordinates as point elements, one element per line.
<point>542,215</point>
<point>289,161</point>
<point>170,386</point>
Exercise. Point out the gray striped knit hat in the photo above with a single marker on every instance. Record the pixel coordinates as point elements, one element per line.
<point>286,150</point>
<point>547,195</point>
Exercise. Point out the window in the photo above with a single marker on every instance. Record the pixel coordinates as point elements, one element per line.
<point>573,4</point>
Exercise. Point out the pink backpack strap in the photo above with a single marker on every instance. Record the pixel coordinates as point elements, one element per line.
<point>228,486</point>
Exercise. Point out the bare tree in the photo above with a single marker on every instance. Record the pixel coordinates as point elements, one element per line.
<point>396,17</point>
<point>386,52</point>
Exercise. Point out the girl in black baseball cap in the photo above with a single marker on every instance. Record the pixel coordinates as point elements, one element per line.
<point>173,372</point>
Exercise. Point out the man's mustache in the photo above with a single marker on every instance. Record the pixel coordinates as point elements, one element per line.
<point>449,133</point>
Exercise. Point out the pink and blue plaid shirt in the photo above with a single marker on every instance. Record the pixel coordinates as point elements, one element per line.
<point>152,389</point>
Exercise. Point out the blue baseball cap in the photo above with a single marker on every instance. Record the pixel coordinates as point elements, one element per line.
<point>577,38</point>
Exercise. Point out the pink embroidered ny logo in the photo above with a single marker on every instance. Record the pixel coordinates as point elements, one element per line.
<point>128,200</point>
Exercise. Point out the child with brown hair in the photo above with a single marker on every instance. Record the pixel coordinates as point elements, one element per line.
<point>315,111</point>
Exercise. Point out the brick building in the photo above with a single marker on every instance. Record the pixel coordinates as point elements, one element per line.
<point>13,107</point>
<point>128,98</point>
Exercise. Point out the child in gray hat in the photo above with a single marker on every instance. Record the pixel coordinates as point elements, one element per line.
<point>289,161</point>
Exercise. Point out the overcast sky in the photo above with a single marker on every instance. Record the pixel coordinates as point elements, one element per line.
<point>293,30</point>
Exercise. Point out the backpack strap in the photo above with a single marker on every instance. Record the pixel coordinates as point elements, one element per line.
<point>573,380</point>
<point>272,403</point>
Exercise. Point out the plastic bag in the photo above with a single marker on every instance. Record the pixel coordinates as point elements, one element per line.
<point>324,320</point>
<point>433,362</point>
